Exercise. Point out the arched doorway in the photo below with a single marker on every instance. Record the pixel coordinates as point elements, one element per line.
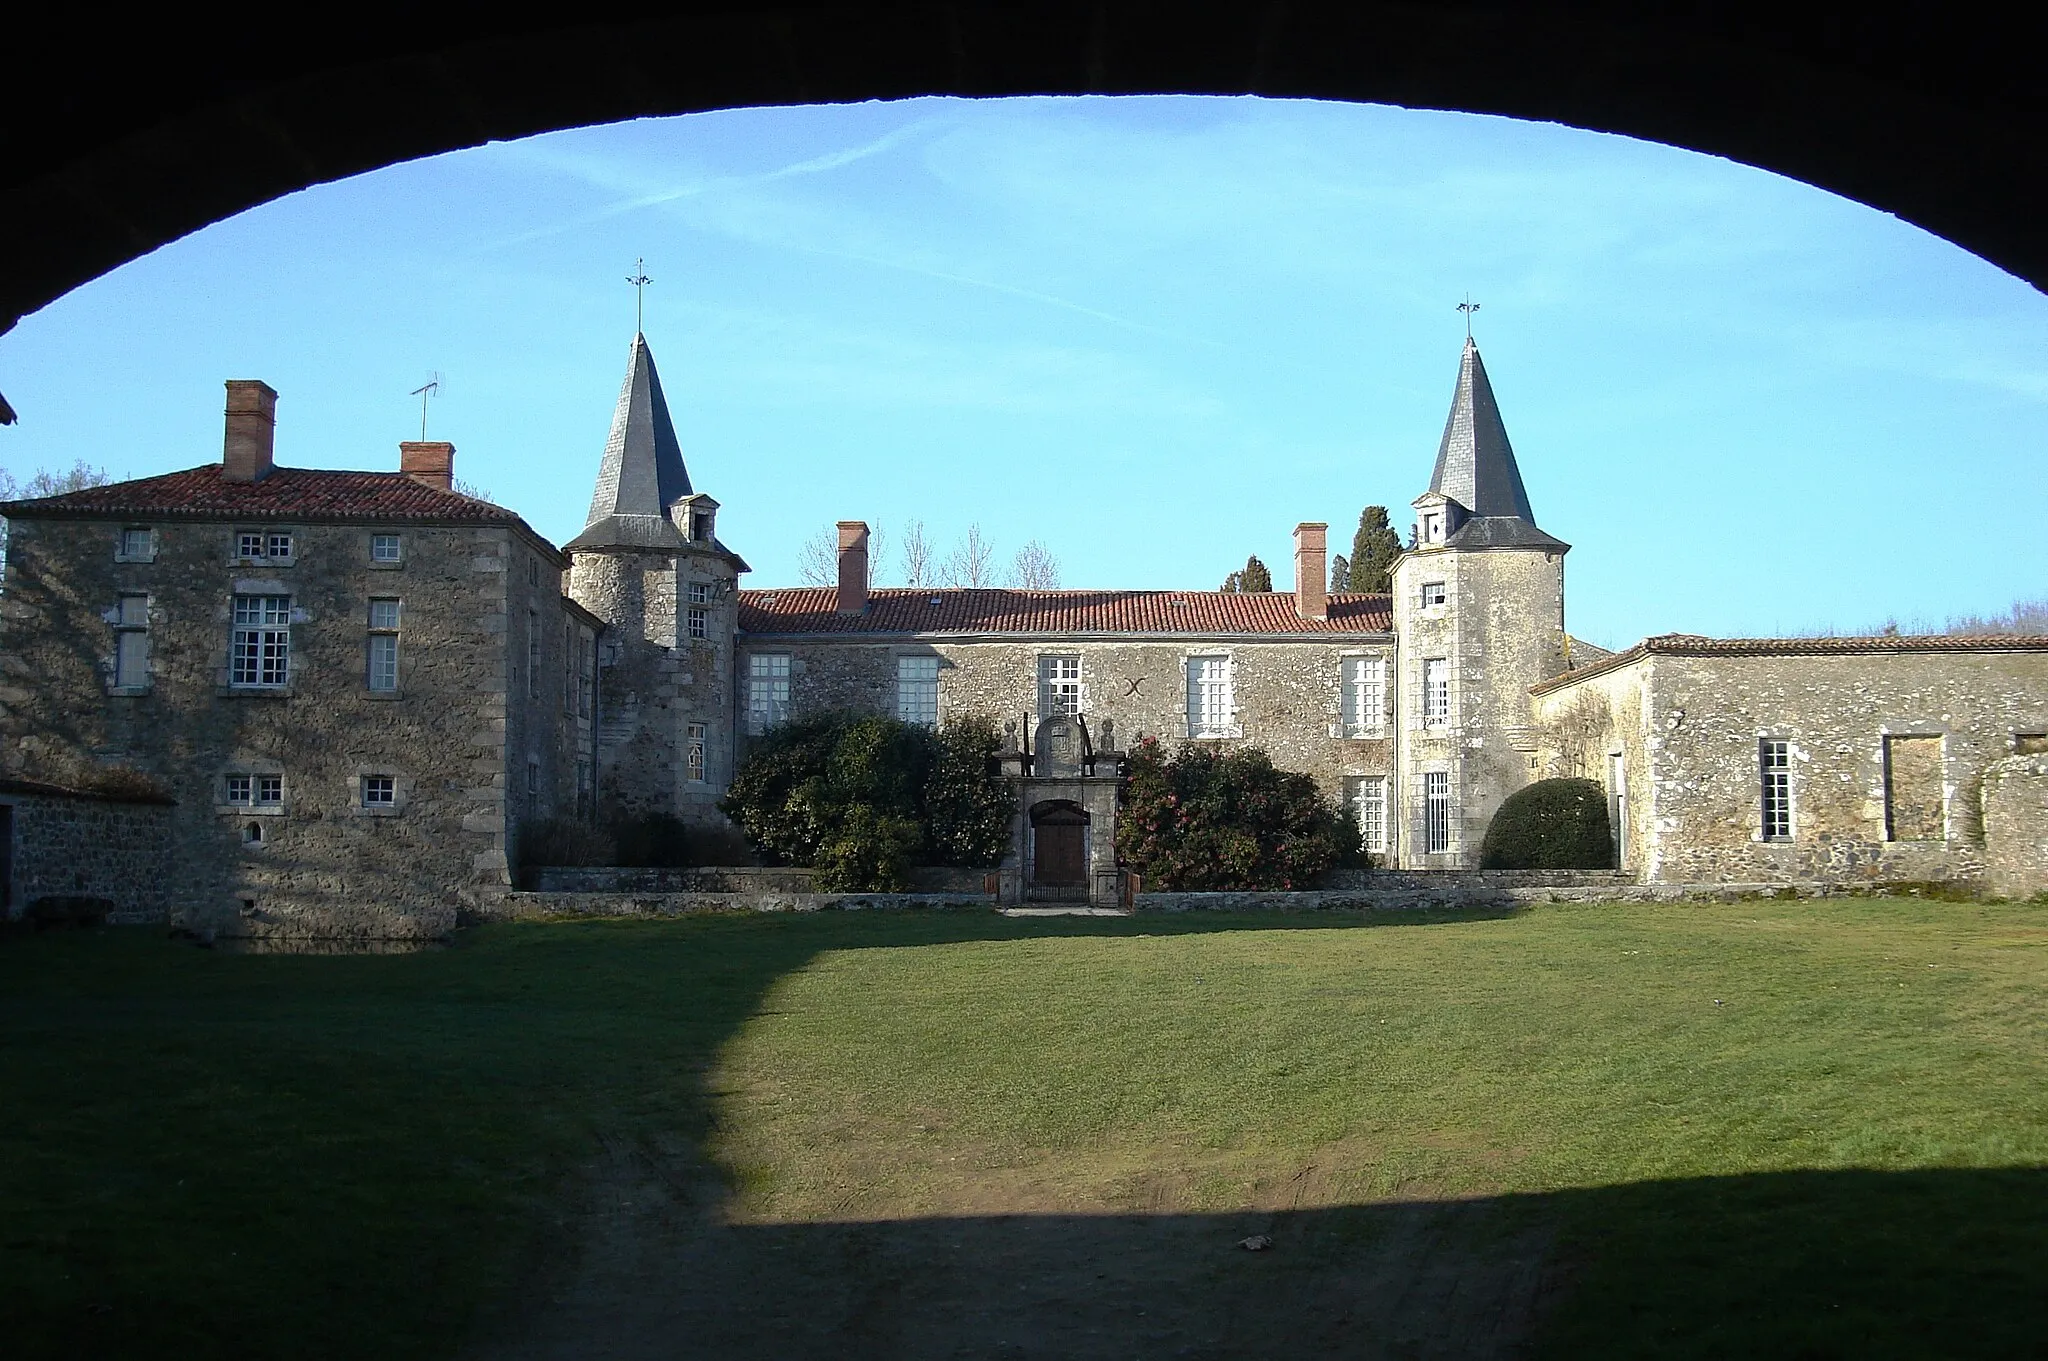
<point>1059,851</point>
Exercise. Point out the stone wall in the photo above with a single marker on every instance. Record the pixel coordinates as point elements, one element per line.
<point>2015,800</point>
<point>1286,691</point>
<point>74,845</point>
<point>318,862</point>
<point>1698,722</point>
<point>730,879</point>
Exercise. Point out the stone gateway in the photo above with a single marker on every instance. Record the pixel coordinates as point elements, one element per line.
<point>335,699</point>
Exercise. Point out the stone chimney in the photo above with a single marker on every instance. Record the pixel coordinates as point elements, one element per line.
<point>1312,571</point>
<point>251,431</point>
<point>431,461</point>
<point>853,567</point>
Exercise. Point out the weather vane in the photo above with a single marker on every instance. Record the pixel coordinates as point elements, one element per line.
<point>423,392</point>
<point>638,278</point>
<point>1468,307</point>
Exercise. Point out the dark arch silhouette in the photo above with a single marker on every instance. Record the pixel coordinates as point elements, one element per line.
<point>117,137</point>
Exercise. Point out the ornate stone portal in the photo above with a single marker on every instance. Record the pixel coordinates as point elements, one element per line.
<point>1063,833</point>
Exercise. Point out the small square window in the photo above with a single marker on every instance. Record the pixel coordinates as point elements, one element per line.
<point>270,789</point>
<point>383,614</point>
<point>277,546</point>
<point>380,791</point>
<point>136,545</point>
<point>241,788</point>
<point>383,548</point>
<point>700,593</point>
<point>1433,594</point>
<point>248,545</point>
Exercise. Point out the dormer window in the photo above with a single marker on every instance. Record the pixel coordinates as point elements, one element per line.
<point>1432,528</point>
<point>700,526</point>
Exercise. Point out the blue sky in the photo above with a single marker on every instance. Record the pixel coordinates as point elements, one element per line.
<point>1153,333</point>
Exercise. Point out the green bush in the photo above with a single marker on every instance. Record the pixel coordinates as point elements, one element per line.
<point>861,798</point>
<point>1204,820</point>
<point>1551,825</point>
<point>563,841</point>
<point>652,841</point>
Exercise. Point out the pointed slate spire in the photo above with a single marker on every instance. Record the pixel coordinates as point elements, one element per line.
<point>1475,464</point>
<point>642,474</point>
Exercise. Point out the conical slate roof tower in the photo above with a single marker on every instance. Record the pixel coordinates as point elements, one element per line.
<point>642,475</point>
<point>1475,467</point>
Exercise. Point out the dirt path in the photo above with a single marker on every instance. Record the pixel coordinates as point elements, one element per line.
<point>657,1273</point>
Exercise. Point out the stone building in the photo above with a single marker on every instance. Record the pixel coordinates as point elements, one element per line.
<point>355,689</point>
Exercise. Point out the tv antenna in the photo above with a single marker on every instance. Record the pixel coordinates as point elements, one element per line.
<point>425,391</point>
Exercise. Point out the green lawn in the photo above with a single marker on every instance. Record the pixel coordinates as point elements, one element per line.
<point>1783,1128</point>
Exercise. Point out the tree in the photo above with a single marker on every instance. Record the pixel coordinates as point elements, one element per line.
<point>1340,574</point>
<point>972,561</point>
<point>919,567</point>
<point>46,483</point>
<point>1373,550</point>
<point>1254,577</point>
<point>860,798</point>
<point>817,558</point>
<point>1206,820</point>
<point>1035,568</point>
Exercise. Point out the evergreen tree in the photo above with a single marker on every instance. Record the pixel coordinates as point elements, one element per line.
<point>1340,574</point>
<point>1373,550</point>
<point>1256,577</point>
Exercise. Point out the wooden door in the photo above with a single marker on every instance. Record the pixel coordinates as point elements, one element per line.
<point>1060,858</point>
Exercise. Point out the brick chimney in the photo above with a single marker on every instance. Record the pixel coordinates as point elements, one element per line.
<point>1312,571</point>
<point>251,431</point>
<point>853,567</point>
<point>431,461</point>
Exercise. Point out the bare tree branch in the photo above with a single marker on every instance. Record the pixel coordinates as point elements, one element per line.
<point>817,558</point>
<point>971,562</point>
<point>919,571</point>
<point>1035,568</point>
<point>878,552</point>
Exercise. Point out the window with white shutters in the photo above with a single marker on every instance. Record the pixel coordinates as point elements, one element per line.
<point>1211,705</point>
<point>260,651</point>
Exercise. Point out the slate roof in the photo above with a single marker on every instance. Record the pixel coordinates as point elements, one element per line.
<point>642,473</point>
<point>810,609</point>
<point>1475,464</point>
<point>1694,645</point>
<point>285,494</point>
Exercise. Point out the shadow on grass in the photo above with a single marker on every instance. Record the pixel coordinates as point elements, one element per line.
<point>1795,1265</point>
<point>266,1155</point>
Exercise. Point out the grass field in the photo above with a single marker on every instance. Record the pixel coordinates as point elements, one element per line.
<point>1800,1129</point>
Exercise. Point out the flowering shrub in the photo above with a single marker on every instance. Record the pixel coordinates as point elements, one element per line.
<point>1201,820</point>
<point>862,798</point>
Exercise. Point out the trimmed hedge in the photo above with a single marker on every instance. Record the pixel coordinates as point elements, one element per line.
<point>1551,825</point>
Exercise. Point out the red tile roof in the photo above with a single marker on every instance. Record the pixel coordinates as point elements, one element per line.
<point>1693,645</point>
<point>286,494</point>
<point>810,609</point>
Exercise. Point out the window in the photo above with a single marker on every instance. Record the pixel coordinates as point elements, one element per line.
<point>136,545</point>
<point>584,679</point>
<point>568,666</point>
<point>260,651</point>
<point>693,752</point>
<point>699,622</point>
<point>917,690</point>
<point>258,546</point>
<point>380,791</point>
<point>1915,808</point>
<point>1363,697</point>
<point>700,593</point>
<point>1210,703</point>
<point>1059,686</point>
<point>1433,594</point>
<point>1436,812</point>
<point>384,548</point>
<point>1436,691</point>
<point>1775,758</point>
<point>131,643</point>
<point>532,572</point>
<point>767,691</point>
<point>254,791</point>
<point>700,526</point>
<point>1369,804</point>
<point>532,653</point>
<point>384,646</point>
<point>1432,528</point>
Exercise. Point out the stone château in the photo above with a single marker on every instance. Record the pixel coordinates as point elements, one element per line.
<point>344,694</point>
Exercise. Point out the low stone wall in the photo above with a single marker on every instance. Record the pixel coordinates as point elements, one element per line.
<point>544,906</point>
<point>2016,826</point>
<point>76,845</point>
<point>1827,860</point>
<point>780,879</point>
<point>1451,880</point>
